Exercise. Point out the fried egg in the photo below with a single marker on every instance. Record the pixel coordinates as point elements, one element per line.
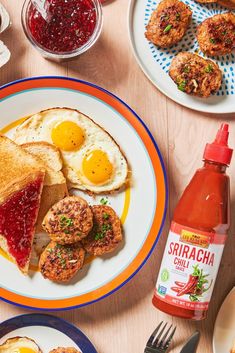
<point>92,159</point>
<point>19,345</point>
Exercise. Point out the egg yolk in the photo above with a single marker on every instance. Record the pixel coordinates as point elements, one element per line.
<point>23,350</point>
<point>68,136</point>
<point>97,167</point>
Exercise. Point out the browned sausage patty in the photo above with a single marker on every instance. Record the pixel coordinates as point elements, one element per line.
<point>216,35</point>
<point>230,4</point>
<point>206,1</point>
<point>65,350</point>
<point>168,23</point>
<point>69,220</point>
<point>195,75</point>
<point>106,233</point>
<point>226,3</point>
<point>60,263</point>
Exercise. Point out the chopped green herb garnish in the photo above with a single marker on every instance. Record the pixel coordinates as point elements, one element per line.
<point>105,227</point>
<point>66,231</point>
<point>177,16</point>
<point>164,17</point>
<point>63,263</point>
<point>103,201</point>
<point>69,222</point>
<point>186,69</point>
<point>224,33</point>
<point>212,40</point>
<point>66,222</point>
<point>102,233</point>
<point>182,86</point>
<point>228,41</point>
<point>209,69</point>
<point>105,215</point>
<point>99,236</point>
<point>78,234</point>
<point>167,28</point>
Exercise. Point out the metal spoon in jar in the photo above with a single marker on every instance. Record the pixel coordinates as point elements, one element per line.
<point>41,7</point>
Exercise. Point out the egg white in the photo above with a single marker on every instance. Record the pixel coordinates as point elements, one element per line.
<point>39,127</point>
<point>15,343</point>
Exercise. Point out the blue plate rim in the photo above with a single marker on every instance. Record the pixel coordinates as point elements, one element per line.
<point>70,330</point>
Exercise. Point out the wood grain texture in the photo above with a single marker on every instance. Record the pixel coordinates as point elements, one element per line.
<point>124,321</point>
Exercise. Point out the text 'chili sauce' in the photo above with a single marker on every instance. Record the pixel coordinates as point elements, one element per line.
<point>197,236</point>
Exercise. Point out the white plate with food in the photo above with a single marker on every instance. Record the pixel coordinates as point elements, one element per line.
<point>83,193</point>
<point>37,333</point>
<point>224,331</point>
<point>172,29</point>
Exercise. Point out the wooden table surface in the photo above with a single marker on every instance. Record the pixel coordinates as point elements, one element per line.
<point>124,321</point>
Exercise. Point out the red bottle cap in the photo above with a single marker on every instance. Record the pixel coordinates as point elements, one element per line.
<point>218,151</point>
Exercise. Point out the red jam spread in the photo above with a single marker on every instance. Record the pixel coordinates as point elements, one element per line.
<point>71,24</point>
<point>17,220</point>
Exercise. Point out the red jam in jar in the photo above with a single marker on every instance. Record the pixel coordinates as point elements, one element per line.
<point>71,24</point>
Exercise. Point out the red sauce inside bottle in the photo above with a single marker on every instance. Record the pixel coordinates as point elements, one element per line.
<point>201,216</point>
<point>71,24</point>
<point>17,220</point>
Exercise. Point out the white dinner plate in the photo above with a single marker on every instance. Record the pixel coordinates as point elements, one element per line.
<point>155,61</point>
<point>224,331</point>
<point>48,331</point>
<point>141,206</point>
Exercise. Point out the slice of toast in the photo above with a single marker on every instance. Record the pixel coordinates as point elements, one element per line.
<point>50,156</point>
<point>55,187</point>
<point>21,183</point>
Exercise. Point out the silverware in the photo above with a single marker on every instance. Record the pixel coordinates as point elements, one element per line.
<point>4,24</point>
<point>160,339</point>
<point>42,8</point>
<point>192,343</point>
<point>5,19</point>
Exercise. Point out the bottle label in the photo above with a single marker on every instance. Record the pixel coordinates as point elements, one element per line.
<point>189,267</point>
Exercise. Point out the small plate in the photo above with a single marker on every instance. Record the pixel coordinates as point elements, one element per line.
<point>48,331</point>
<point>155,61</point>
<point>141,207</point>
<point>224,331</point>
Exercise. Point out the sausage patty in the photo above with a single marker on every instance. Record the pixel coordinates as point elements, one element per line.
<point>60,263</point>
<point>216,35</point>
<point>168,23</point>
<point>195,75</point>
<point>106,233</point>
<point>69,220</point>
<point>65,350</point>
<point>226,3</point>
<point>206,1</point>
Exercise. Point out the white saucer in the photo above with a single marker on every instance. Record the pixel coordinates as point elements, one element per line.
<point>224,331</point>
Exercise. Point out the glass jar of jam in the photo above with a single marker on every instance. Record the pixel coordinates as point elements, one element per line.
<point>72,27</point>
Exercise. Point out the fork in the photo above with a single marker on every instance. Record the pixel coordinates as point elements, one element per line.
<point>160,339</point>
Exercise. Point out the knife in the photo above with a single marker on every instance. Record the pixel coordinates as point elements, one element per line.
<point>192,343</point>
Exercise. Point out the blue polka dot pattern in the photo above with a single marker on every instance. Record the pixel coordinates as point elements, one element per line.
<point>189,43</point>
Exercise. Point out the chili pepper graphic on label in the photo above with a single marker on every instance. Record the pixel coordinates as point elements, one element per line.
<point>189,286</point>
<point>195,287</point>
<point>180,284</point>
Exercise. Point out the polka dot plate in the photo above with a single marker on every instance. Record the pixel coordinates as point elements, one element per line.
<point>155,61</point>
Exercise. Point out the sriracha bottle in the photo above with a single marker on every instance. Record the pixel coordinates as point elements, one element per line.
<point>197,236</point>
